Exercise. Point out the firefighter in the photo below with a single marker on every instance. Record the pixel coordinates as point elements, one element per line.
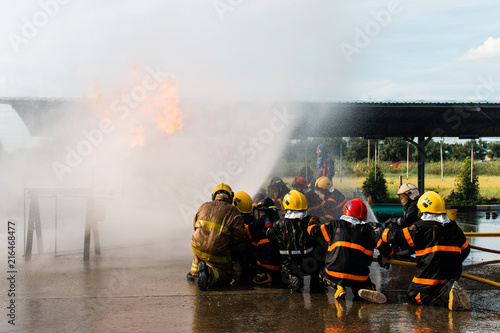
<point>277,190</point>
<point>325,165</point>
<point>265,252</point>
<point>244,260</point>
<point>313,200</point>
<point>351,241</point>
<point>408,196</point>
<point>299,257</point>
<point>333,199</point>
<point>218,229</point>
<point>440,248</point>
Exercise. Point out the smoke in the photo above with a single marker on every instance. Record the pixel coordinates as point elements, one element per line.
<point>222,78</point>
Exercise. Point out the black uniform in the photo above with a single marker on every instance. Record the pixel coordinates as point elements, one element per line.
<point>333,204</point>
<point>314,204</point>
<point>299,255</point>
<point>350,251</point>
<point>410,216</point>
<point>440,249</point>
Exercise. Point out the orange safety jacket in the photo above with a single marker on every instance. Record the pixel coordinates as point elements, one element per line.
<point>440,249</point>
<point>350,250</point>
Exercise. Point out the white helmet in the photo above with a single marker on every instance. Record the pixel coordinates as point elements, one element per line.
<point>410,190</point>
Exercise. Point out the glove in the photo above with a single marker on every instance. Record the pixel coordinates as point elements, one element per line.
<point>389,222</point>
<point>383,261</point>
<point>392,223</point>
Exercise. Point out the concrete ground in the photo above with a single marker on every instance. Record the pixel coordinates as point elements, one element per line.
<point>131,290</point>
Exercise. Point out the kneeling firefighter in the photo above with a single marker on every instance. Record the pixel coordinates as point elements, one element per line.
<point>351,241</point>
<point>299,257</point>
<point>440,248</point>
<point>218,229</point>
<point>333,199</point>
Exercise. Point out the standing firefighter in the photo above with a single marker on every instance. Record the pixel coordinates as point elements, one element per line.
<point>351,241</point>
<point>218,229</point>
<point>299,256</point>
<point>440,248</point>
<point>325,165</point>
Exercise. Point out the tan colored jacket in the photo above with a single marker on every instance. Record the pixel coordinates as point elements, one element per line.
<point>218,227</point>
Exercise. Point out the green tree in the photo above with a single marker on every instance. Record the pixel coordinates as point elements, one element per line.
<point>467,189</point>
<point>357,149</point>
<point>376,186</point>
<point>494,149</point>
<point>393,150</point>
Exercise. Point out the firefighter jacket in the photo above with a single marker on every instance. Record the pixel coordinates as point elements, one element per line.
<point>410,214</point>
<point>440,249</point>
<point>314,204</point>
<point>218,228</point>
<point>293,240</point>
<point>265,253</point>
<point>350,249</point>
<point>333,204</point>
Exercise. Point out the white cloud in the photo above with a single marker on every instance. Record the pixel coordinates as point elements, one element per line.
<point>489,49</point>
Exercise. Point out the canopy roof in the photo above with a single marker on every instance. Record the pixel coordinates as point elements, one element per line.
<point>398,119</point>
<point>331,119</point>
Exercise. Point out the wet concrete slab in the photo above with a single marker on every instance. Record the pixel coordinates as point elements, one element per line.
<point>128,291</point>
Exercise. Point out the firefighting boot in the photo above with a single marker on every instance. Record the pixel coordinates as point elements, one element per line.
<point>372,296</point>
<point>458,296</point>
<point>340,292</point>
<point>203,276</point>
<point>262,278</point>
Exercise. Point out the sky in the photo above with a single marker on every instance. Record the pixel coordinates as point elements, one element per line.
<point>251,50</point>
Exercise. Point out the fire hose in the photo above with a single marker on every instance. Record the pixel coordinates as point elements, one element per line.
<point>467,276</point>
<point>484,249</point>
<point>482,234</point>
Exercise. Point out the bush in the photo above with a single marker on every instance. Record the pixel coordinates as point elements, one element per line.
<point>467,189</point>
<point>375,186</point>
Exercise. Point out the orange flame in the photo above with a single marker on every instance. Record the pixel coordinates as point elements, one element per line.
<point>159,107</point>
<point>163,107</point>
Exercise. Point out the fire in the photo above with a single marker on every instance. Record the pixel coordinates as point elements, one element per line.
<point>139,109</point>
<point>163,107</point>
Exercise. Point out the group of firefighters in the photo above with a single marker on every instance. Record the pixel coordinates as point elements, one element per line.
<point>313,230</point>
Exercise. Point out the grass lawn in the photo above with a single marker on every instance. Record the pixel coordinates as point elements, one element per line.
<point>489,186</point>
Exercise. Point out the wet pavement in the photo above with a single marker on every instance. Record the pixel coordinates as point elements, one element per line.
<point>125,290</point>
<point>143,289</point>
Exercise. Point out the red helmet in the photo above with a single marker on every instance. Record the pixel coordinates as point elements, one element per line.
<point>299,181</point>
<point>356,208</point>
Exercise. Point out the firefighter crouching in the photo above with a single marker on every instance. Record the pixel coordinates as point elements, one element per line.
<point>299,257</point>
<point>440,248</point>
<point>218,229</point>
<point>333,199</point>
<point>351,241</point>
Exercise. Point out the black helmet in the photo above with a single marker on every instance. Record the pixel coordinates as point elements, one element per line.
<point>276,182</point>
<point>268,206</point>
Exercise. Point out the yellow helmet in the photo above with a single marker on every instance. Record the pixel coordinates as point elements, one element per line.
<point>223,188</point>
<point>294,200</point>
<point>243,202</point>
<point>431,202</point>
<point>323,183</point>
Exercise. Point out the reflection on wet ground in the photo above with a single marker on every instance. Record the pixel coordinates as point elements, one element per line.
<point>134,292</point>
